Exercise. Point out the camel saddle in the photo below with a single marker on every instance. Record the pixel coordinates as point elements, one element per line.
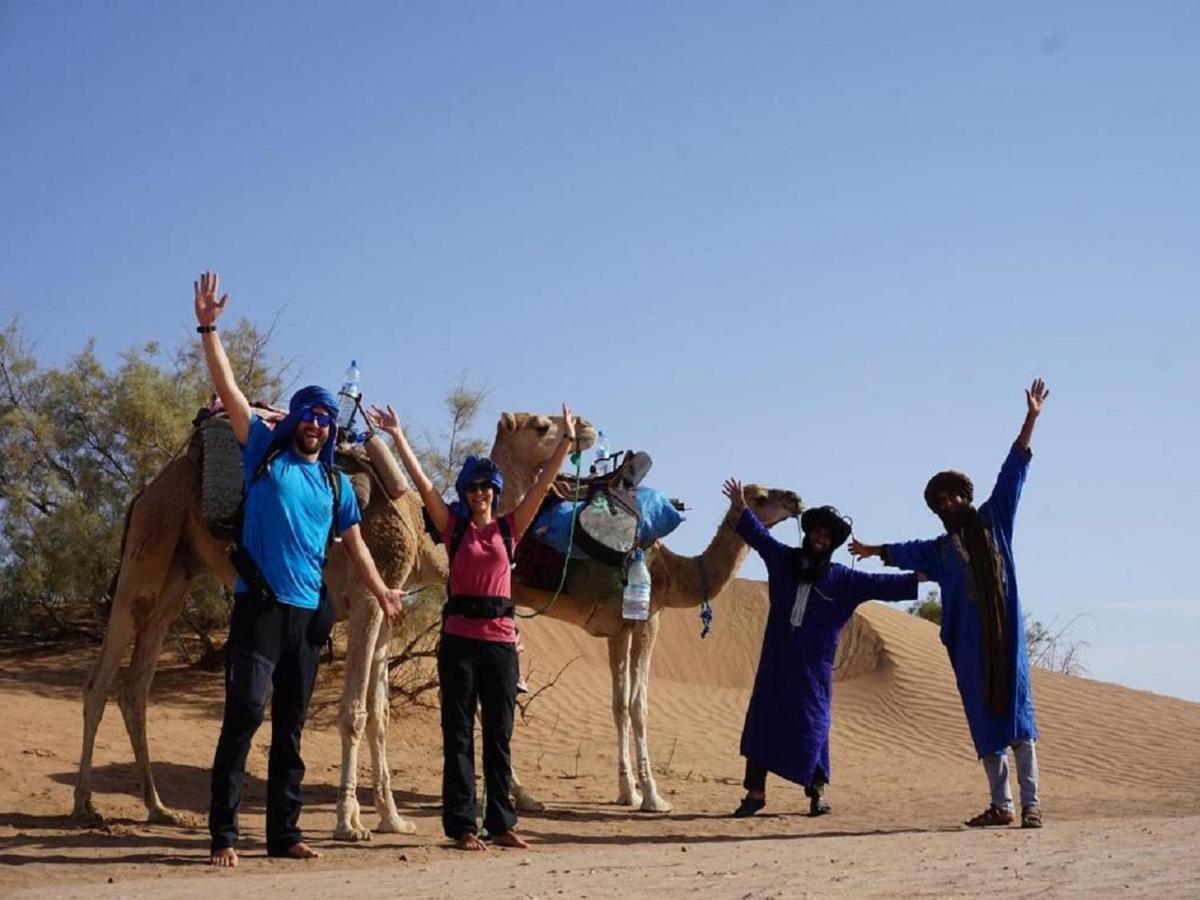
<point>217,454</point>
<point>607,521</point>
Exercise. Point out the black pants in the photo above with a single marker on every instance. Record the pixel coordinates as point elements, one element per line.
<point>278,645</point>
<point>484,674</point>
<point>756,780</point>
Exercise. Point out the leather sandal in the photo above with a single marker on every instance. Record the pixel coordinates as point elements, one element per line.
<point>749,806</point>
<point>1031,817</point>
<point>991,817</point>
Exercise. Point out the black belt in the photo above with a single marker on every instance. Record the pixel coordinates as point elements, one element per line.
<point>479,607</point>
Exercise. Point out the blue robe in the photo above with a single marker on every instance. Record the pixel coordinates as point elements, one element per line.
<point>943,560</point>
<point>787,724</point>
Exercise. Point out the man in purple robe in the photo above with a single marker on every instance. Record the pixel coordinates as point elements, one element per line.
<point>811,597</point>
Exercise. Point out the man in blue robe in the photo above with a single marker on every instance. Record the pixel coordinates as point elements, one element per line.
<point>787,723</point>
<point>981,617</point>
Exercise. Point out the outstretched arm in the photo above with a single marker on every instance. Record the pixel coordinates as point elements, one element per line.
<point>1007,492</point>
<point>364,564</point>
<point>920,556</point>
<point>208,308</point>
<point>389,422</point>
<point>1035,397</point>
<point>523,515</point>
<point>749,527</point>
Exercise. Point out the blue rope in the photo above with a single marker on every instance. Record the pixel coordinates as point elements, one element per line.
<point>706,613</point>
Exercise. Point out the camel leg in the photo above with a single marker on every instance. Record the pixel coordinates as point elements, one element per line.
<point>526,802</point>
<point>618,664</point>
<point>135,695</point>
<point>362,634</point>
<point>95,696</point>
<point>390,820</point>
<point>644,636</point>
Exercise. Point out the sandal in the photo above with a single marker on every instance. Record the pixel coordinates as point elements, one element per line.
<point>991,817</point>
<point>749,806</point>
<point>1031,817</point>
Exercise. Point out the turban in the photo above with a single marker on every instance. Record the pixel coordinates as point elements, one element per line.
<point>828,518</point>
<point>307,398</point>
<point>475,469</point>
<point>948,482</point>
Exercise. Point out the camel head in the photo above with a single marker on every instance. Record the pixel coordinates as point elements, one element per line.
<point>528,439</point>
<point>772,505</point>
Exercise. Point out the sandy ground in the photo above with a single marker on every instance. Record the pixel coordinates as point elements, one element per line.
<point>1120,784</point>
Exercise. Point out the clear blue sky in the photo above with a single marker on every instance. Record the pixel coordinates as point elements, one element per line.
<point>821,245</point>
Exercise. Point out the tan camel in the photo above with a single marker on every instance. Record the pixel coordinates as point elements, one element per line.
<point>678,582</point>
<point>167,545</point>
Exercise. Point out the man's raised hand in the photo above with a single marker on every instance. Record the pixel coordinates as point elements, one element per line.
<point>208,307</point>
<point>733,490</point>
<point>1035,396</point>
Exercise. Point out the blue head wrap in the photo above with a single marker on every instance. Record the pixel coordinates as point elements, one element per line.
<point>476,468</point>
<point>307,398</point>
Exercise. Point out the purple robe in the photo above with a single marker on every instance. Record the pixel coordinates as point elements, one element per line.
<point>787,724</point>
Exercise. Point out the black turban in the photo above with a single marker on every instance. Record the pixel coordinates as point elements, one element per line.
<point>828,518</point>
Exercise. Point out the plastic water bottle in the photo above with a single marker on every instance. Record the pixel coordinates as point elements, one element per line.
<point>601,452</point>
<point>348,396</point>
<point>635,602</point>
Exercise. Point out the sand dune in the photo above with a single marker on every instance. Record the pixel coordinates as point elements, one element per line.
<point>902,766</point>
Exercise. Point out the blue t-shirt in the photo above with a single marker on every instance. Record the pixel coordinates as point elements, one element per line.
<point>287,523</point>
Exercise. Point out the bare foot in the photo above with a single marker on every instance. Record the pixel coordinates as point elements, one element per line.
<point>510,839</point>
<point>470,842</point>
<point>301,850</point>
<point>225,859</point>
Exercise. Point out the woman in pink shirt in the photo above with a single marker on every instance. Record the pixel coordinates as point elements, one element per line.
<point>477,656</point>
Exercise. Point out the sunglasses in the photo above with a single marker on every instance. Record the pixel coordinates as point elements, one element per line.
<point>321,420</point>
<point>479,486</point>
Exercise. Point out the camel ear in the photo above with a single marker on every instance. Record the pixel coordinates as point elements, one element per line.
<point>508,422</point>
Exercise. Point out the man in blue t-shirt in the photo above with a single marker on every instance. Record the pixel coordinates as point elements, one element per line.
<point>281,615</point>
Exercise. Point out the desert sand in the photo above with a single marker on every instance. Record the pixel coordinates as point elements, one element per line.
<point>1120,784</point>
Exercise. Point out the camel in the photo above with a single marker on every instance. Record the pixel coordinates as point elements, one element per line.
<point>166,546</point>
<point>678,582</point>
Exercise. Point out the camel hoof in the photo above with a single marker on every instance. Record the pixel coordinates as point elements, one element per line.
<point>655,804</point>
<point>163,815</point>
<point>528,804</point>
<point>350,833</point>
<point>85,814</point>
<point>631,798</point>
<point>396,825</point>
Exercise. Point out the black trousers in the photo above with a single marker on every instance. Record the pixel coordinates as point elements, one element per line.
<point>756,780</point>
<point>273,645</point>
<point>484,674</point>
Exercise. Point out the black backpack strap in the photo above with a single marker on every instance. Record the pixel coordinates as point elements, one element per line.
<point>506,534</point>
<point>456,539</point>
<point>335,485</point>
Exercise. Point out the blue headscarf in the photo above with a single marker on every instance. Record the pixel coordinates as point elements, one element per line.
<point>476,468</point>
<point>307,398</point>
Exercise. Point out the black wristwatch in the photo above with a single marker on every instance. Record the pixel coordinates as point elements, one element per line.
<point>206,329</point>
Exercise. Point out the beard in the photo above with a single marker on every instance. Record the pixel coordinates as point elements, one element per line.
<point>306,444</point>
<point>957,517</point>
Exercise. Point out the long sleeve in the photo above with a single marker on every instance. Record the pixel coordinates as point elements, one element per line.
<point>919,556</point>
<point>751,530</point>
<point>1007,492</point>
<point>863,586</point>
